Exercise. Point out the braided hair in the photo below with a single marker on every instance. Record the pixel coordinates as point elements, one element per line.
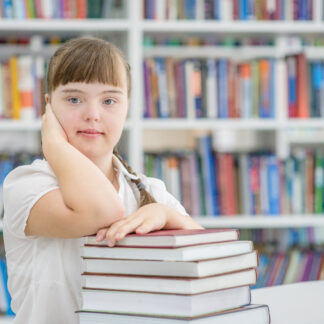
<point>145,197</point>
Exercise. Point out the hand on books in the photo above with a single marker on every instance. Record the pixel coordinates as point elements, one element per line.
<point>148,218</point>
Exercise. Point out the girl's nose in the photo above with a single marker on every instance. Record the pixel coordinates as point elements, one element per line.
<point>91,113</point>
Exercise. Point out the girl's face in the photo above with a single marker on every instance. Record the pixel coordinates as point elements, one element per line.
<point>92,115</point>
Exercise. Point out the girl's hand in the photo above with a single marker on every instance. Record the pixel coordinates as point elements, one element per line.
<point>151,217</point>
<point>51,126</point>
<point>51,129</point>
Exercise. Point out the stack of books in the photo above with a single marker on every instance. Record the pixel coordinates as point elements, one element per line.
<point>171,276</point>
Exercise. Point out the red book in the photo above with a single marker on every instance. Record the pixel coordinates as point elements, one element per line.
<point>233,113</point>
<point>303,110</point>
<point>39,10</point>
<point>82,9</point>
<point>173,238</point>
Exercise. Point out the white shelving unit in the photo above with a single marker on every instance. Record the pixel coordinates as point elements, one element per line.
<point>260,221</point>
<point>131,32</point>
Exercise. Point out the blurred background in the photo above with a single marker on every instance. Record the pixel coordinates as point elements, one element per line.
<point>227,109</point>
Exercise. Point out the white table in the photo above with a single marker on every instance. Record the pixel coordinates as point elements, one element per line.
<point>298,303</point>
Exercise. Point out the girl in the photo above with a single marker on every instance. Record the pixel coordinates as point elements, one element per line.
<point>83,186</point>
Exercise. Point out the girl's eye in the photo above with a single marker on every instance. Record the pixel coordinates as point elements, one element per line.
<point>74,100</point>
<point>109,101</point>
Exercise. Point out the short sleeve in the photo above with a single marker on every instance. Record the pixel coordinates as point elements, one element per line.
<point>22,188</point>
<point>158,190</point>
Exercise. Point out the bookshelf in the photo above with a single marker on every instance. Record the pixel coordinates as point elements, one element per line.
<point>130,32</point>
<point>133,29</point>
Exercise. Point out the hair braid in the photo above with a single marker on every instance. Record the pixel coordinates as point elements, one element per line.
<point>145,197</point>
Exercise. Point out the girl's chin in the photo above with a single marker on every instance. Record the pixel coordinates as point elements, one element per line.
<point>91,153</point>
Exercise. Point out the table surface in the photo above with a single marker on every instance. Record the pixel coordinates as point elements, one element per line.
<point>298,303</point>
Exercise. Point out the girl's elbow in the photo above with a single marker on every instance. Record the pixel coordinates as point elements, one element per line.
<point>112,213</point>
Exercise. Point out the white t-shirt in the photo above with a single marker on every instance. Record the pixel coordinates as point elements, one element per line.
<point>44,273</point>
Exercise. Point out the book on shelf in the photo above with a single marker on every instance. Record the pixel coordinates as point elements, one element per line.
<point>173,238</point>
<point>137,302</point>
<point>213,88</point>
<point>252,314</point>
<point>289,267</point>
<point>228,10</point>
<point>171,285</point>
<point>250,184</point>
<point>304,86</point>
<point>22,84</point>
<point>61,9</point>
<point>188,253</point>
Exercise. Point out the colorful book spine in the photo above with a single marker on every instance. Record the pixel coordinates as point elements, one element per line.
<point>224,10</point>
<point>208,89</point>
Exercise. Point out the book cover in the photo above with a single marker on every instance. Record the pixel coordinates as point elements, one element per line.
<point>187,253</point>
<point>169,285</point>
<point>173,238</point>
<point>193,269</point>
<point>252,314</point>
<point>165,304</point>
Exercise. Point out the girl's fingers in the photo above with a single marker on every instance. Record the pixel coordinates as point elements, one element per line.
<point>120,230</point>
<point>101,234</point>
<point>112,230</point>
<point>127,228</point>
<point>149,225</point>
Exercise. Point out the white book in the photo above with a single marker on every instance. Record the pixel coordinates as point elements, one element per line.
<point>171,285</point>
<point>160,9</point>
<point>226,10</point>
<point>48,8</point>
<point>19,10</point>
<point>318,10</point>
<point>246,97</point>
<point>289,10</point>
<point>294,263</point>
<point>211,88</point>
<point>200,10</point>
<point>188,253</point>
<point>245,183</point>
<point>271,6</point>
<point>251,314</point>
<point>193,269</point>
<point>164,304</point>
<point>172,10</point>
<point>281,87</point>
<point>173,174</point>
<point>26,87</point>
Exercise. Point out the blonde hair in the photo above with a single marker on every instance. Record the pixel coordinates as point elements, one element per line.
<point>91,59</point>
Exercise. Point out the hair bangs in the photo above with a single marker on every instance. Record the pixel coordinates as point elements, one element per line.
<point>90,61</point>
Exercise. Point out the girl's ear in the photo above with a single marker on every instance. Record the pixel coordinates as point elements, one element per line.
<point>47,98</point>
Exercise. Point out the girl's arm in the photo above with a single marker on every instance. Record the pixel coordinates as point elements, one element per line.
<point>86,200</point>
<point>148,218</point>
